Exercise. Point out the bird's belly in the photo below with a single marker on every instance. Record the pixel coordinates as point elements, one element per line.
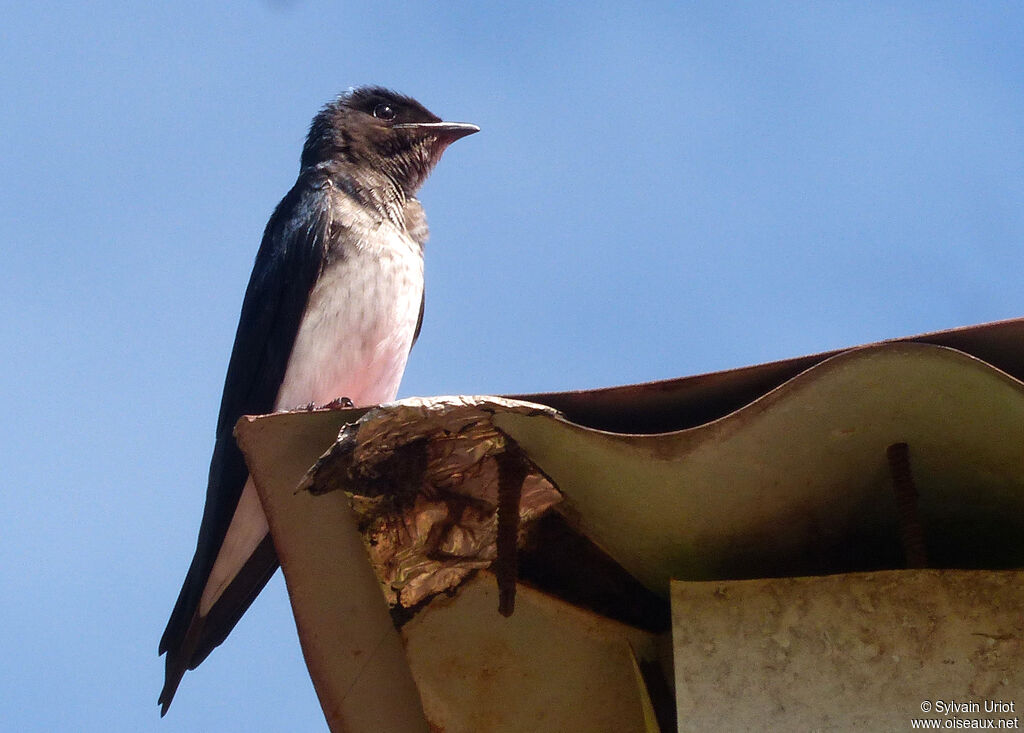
<point>356,333</point>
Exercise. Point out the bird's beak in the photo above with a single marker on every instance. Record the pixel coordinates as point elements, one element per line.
<point>447,132</point>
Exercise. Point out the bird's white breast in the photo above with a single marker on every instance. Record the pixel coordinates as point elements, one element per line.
<point>358,327</point>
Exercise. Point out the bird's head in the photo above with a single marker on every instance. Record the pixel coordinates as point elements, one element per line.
<point>371,132</point>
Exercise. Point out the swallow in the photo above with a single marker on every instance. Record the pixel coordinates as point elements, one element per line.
<point>333,307</point>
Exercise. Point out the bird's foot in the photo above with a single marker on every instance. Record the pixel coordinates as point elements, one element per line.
<point>339,403</point>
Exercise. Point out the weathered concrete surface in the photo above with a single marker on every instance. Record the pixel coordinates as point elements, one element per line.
<point>866,651</point>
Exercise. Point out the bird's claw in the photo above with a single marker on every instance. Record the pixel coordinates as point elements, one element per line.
<point>340,403</point>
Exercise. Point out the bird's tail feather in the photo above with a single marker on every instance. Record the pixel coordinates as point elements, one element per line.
<point>188,645</point>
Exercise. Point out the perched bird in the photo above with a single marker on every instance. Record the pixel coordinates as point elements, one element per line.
<point>334,303</point>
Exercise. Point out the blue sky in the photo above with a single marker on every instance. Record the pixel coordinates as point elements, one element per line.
<point>657,191</point>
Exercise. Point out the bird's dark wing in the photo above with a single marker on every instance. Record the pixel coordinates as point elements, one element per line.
<point>416,225</point>
<point>419,321</point>
<point>286,268</point>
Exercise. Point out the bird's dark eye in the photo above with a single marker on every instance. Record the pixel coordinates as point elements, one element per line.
<point>384,112</point>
